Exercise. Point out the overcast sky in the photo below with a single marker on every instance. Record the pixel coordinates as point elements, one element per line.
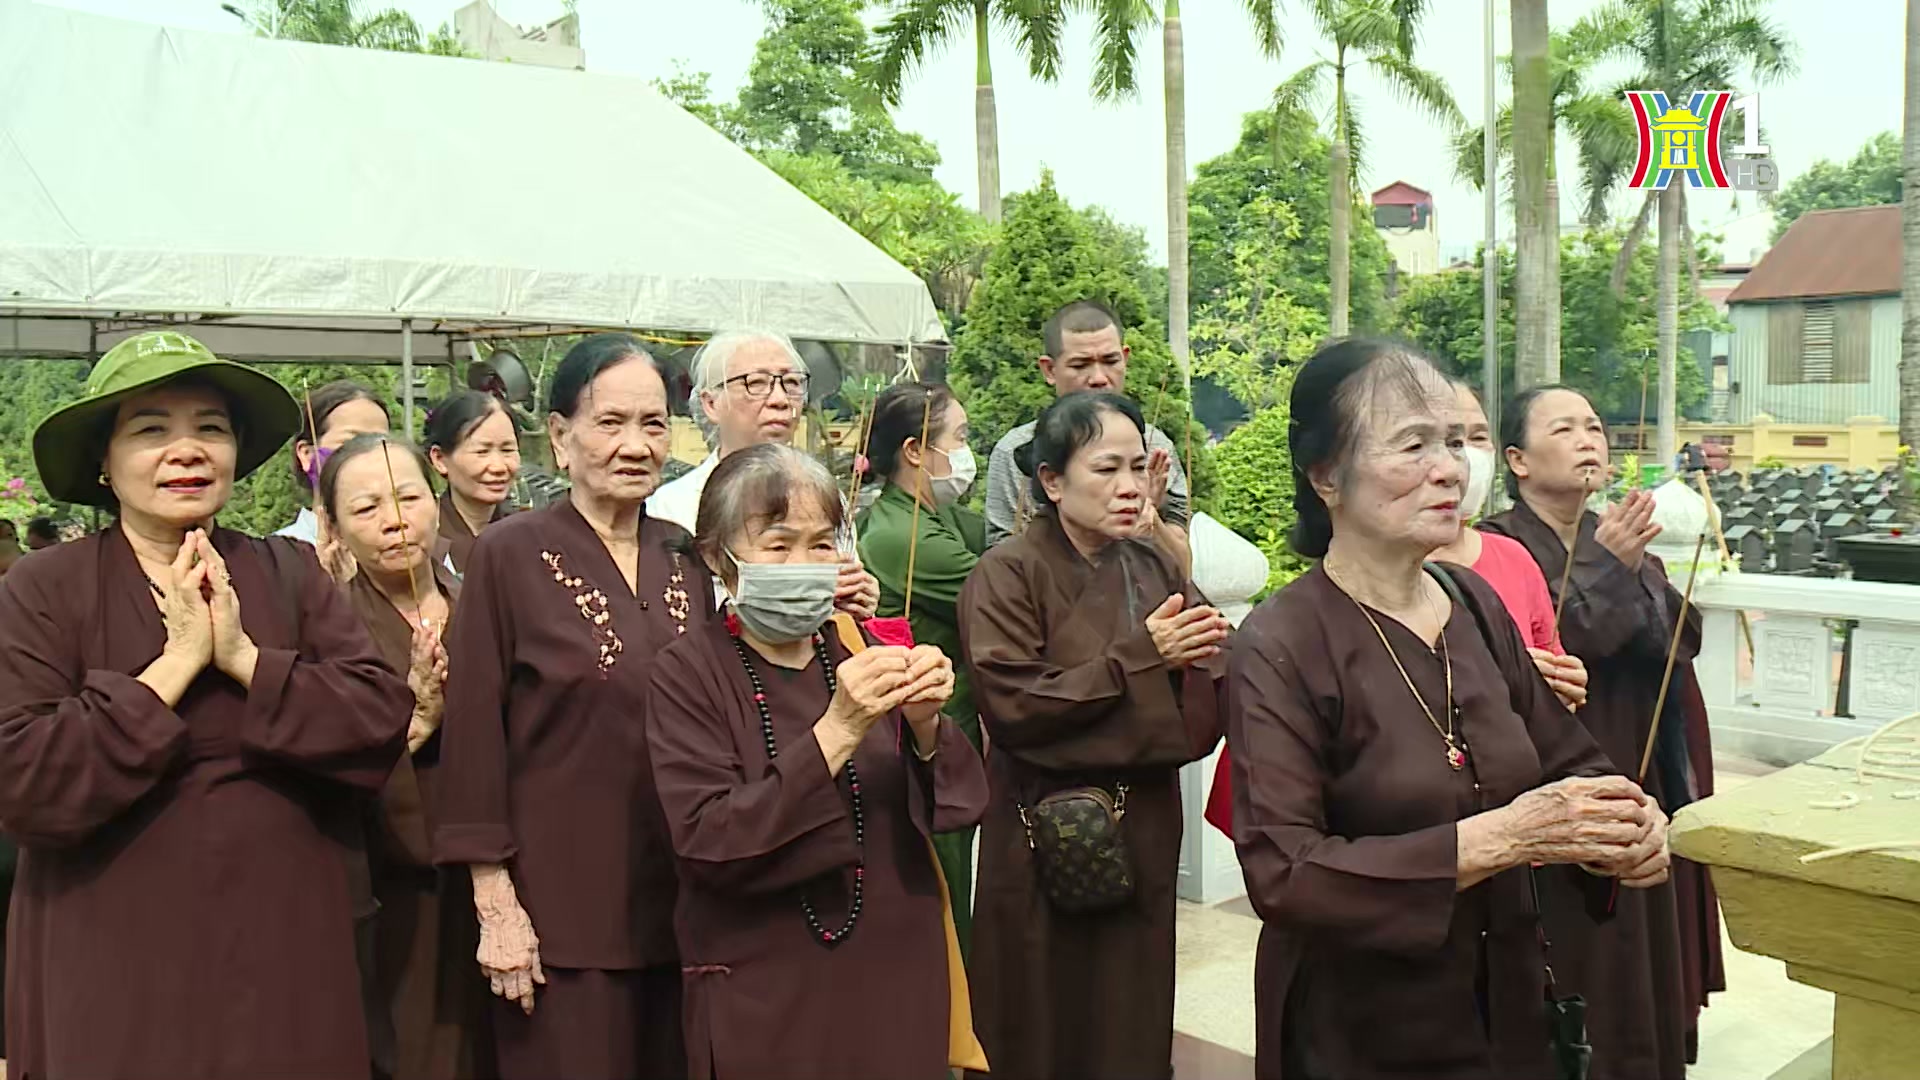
<point>1848,89</point>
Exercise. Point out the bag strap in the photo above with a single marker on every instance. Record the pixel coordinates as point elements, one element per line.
<point>1460,596</point>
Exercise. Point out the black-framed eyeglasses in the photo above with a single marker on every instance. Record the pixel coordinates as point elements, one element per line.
<point>759,384</point>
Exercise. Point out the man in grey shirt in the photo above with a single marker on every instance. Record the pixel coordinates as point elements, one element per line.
<point>1085,351</point>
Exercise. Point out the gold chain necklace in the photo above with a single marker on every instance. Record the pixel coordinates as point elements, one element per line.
<point>1456,753</point>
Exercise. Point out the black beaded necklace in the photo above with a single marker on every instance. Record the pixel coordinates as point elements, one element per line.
<point>825,936</point>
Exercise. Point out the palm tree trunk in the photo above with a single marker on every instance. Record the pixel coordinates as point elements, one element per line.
<point>1532,101</point>
<point>1623,260</point>
<point>1910,242</point>
<point>1669,319</point>
<point>1339,209</point>
<point>1175,62</point>
<point>986,122</point>
<point>1553,280</point>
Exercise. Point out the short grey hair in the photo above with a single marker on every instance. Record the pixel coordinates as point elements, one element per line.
<point>709,368</point>
<point>756,486</point>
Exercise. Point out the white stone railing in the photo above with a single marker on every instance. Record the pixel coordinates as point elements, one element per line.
<point>1782,707</point>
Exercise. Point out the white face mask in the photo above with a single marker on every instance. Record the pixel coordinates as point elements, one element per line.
<point>1479,481</point>
<point>948,489</point>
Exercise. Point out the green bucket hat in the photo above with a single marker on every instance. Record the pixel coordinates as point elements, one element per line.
<point>265,414</point>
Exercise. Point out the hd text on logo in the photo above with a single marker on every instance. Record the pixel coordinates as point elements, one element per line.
<point>1690,142</point>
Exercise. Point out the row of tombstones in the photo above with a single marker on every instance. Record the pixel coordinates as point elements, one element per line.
<point>1791,521</point>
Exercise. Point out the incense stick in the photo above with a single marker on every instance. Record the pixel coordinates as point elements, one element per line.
<point>920,475</point>
<point>1673,652</point>
<point>413,580</point>
<point>1160,402</point>
<point>862,438</point>
<point>1566,575</point>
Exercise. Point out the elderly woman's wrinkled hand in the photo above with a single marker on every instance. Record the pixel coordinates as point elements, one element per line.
<point>1566,676</point>
<point>427,678</point>
<point>870,685</point>
<point>233,650</point>
<point>1591,821</point>
<point>1644,864</point>
<point>509,950</point>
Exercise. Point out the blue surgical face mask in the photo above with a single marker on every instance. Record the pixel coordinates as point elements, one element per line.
<point>781,602</point>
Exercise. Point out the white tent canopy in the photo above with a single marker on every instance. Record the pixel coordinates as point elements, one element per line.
<point>305,201</point>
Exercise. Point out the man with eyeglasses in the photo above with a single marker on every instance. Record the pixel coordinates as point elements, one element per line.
<point>748,388</point>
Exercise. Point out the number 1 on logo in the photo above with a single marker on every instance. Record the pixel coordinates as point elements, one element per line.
<point>1749,109</point>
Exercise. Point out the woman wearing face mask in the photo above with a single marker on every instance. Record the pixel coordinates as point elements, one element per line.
<point>942,540</point>
<point>543,788</point>
<point>802,770</point>
<point>1096,670</point>
<point>1502,562</point>
<point>472,442</point>
<point>427,1001</point>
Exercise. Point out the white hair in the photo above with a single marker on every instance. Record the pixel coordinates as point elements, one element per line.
<point>709,368</point>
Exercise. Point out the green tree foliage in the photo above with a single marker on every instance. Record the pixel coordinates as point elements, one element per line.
<point>31,389</point>
<point>1610,340</point>
<point>349,23</point>
<point>1872,178</point>
<point>1247,340</point>
<point>1254,463</point>
<point>1049,255</point>
<point>806,94</point>
<point>808,113</point>
<point>1286,162</point>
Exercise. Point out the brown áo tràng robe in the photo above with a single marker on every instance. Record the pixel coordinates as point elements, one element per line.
<point>543,767</point>
<point>1345,807</point>
<point>1647,972</point>
<point>183,907</point>
<point>757,838</point>
<point>1072,692</point>
<point>459,538</point>
<point>429,995</point>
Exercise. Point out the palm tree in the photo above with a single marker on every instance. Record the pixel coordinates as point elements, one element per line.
<point>336,22</point>
<point>1910,242</point>
<point>918,27</point>
<point>1377,36</point>
<point>1119,23</point>
<point>1678,46</point>
<point>1536,237</point>
<point>1604,136</point>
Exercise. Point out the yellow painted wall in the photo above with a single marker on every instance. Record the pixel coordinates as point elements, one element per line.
<point>1863,442</point>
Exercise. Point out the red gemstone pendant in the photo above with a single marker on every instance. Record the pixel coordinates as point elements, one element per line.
<point>1457,758</point>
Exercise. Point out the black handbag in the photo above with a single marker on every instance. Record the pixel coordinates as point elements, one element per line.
<point>1078,852</point>
<point>1566,1014</point>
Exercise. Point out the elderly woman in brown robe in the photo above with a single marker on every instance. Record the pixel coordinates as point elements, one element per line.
<point>1096,669</point>
<point>428,999</point>
<point>1399,762</point>
<point>543,787</point>
<point>475,447</point>
<point>1647,971</point>
<point>188,717</point>
<point>803,769</point>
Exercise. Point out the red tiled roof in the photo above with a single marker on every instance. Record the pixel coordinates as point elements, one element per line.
<point>1851,252</point>
<point>1401,193</point>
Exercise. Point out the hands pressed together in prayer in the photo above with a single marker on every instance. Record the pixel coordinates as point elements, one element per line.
<point>1627,527</point>
<point>858,593</point>
<point>1183,635</point>
<point>427,678</point>
<point>1565,675</point>
<point>201,613</point>
<point>917,681</point>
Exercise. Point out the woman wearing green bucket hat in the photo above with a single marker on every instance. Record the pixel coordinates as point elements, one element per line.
<point>190,720</point>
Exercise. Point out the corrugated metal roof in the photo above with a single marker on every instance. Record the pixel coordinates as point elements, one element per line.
<point>1851,252</point>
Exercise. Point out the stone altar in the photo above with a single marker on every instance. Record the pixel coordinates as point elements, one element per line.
<point>1848,924</point>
